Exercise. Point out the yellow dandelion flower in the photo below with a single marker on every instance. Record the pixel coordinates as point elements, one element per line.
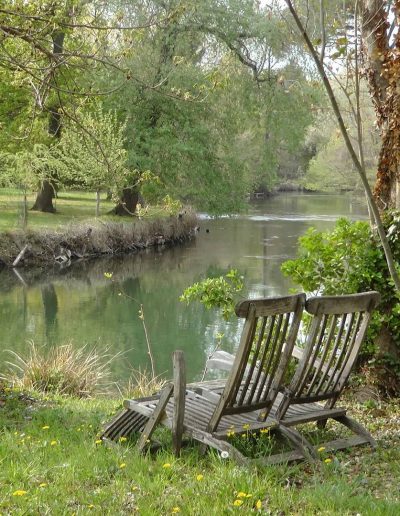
<point>264,431</point>
<point>19,492</point>
<point>166,465</point>
<point>175,510</point>
<point>258,505</point>
<point>90,506</point>
<point>134,488</point>
<point>244,435</point>
<point>108,275</point>
<point>45,427</point>
<point>238,503</point>
<point>43,484</point>
<point>246,426</point>
<point>199,477</point>
<point>241,494</point>
<point>230,433</point>
<point>122,466</point>
<point>321,449</point>
<point>122,439</point>
<point>98,441</point>
<point>328,461</point>
<point>53,443</point>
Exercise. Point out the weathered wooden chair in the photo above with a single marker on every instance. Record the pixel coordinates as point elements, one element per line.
<point>247,397</point>
<point>336,332</point>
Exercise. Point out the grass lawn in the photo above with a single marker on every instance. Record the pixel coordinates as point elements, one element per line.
<point>52,464</point>
<point>71,206</point>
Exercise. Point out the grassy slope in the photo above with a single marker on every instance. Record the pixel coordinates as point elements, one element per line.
<point>48,449</point>
<point>70,206</point>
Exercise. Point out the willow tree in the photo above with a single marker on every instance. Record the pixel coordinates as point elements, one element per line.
<point>54,51</point>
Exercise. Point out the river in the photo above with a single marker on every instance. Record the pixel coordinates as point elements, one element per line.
<point>81,305</point>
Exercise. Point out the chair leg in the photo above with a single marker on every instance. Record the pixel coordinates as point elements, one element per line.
<point>156,417</point>
<point>321,424</point>
<point>357,429</point>
<point>299,442</point>
<point>207,439</point>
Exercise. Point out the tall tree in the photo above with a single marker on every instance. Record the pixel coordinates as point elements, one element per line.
<point>318,58</point>
<point>381,49</point>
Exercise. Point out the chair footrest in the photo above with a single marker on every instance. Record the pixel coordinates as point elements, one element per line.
<point>337,444</point>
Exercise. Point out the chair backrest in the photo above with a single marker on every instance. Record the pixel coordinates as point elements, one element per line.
<point>266,344</point>
<point>336,332</point>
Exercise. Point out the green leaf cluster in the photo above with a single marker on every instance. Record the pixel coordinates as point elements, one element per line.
<point>350,259</point>
<point>217,292</point>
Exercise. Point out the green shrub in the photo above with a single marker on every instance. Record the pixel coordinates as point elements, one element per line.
<point>63,370</point>
<point>218,292</point>
<point>349,259</point>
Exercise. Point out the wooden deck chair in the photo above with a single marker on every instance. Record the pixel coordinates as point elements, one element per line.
<point>268,337</point>
<point>337,330</point>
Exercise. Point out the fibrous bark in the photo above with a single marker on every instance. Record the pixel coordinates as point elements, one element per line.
<point>382,70</point>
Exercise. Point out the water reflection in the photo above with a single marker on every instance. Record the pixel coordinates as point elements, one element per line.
<point>81,305</point>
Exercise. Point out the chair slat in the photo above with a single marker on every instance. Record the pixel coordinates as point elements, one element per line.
<point>320,361</point>
<point>270,321</point>
<point>357,330</point>
<point>334,367</point>
<point>266,384</point>
<point>253,361</point>
<point>270,358</point>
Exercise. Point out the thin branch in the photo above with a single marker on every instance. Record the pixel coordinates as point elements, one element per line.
<point>350,148</point>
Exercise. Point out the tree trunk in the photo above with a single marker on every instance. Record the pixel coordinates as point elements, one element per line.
<point>127,206</point>
<point>45,196</point>
<point>44,199</point>
<point>97,203</point>
<point>382,72</point>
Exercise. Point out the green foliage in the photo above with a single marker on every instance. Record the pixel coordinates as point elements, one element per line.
<point>347,260</point>
<point>216,292</point>
<point>26,169</point>
<point>95,157</point>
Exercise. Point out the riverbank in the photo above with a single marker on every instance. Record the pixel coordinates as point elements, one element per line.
<point>53,463</point>
<point>93,238</point>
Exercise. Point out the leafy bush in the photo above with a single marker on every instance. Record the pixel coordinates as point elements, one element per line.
<point>216,292</point>
<point>348,260</point>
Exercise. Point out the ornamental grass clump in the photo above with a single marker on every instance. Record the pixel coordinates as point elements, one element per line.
<point>142,383</point>
<point>65,369</point>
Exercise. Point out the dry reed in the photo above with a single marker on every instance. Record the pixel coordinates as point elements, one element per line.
<point>63,369</point>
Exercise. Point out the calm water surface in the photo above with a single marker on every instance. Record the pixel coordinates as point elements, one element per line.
<point>79,304</point>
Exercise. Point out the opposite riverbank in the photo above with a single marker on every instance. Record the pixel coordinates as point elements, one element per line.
<point>74,234</point>
<point>40,247</point>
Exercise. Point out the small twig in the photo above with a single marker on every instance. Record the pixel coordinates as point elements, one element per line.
<point>149,351</point>
<point>146,335</point>
<point>209,356</point>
